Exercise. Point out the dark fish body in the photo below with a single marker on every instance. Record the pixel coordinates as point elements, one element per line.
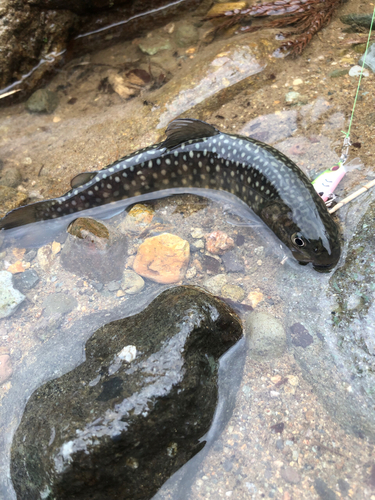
<point>197,155</point>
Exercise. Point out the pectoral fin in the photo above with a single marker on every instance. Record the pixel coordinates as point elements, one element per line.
<point>81,179</point>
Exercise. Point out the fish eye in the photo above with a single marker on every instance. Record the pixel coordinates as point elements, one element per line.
<point>297,240</point>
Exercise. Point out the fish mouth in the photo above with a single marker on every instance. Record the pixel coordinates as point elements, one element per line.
<point>323,269</point>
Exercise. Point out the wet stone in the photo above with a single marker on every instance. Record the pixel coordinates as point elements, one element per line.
<point>59,303</point>
<point>218,242</point>
<point>10,298</point>
<point>25,281</point>
<point>294,98</point>
<point>45,257</point>
<point>121,423</point>
<point>154,44</point>
<point>344,486</point>
<point>138,219</point>
<point>42,101</point>
<point>6,369</point>
<point>267,338</point>
<point>10,199</point>
<point>163,258</point>
<point>357,70</point>
<point>215,284</point>
<point>186,35</point>
<point>280,444</point>
<point>300,336</point>
<point>233,292</point>
<point>323,490</point>
<point>232,263</point>
<point>336,73</point>
<point>132,283</point>
<point>30,256</point>
<point>97,285</point>
<point>290,475</point>
<point>113,286</point>
<point>210,264</point>
<point>11,177</point>
<point>227,465</point>
<point>90,251</point>
<point>90,230</point>
<point>362,20</point>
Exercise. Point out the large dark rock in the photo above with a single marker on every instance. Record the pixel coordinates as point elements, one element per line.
<point>133,413</point>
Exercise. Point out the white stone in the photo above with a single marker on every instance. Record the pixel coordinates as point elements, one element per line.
<point>10,298</point>
<point>128,353</point>
<point>356,71</point>
<point>197,232</point>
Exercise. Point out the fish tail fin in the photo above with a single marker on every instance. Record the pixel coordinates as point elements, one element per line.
<point>22,216</point>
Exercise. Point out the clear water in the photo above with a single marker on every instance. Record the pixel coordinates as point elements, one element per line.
<point>313,389</point>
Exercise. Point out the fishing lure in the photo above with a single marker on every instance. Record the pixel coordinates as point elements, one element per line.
<point>326,183</point>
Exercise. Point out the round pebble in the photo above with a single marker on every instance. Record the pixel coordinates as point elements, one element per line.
<point>233,292</point>
<point>132,283</point>
<point>267,337</point>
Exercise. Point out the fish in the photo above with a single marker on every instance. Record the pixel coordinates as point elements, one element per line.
<point>196,154</point>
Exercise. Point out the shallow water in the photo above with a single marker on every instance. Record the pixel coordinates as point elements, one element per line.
<point>324,449</point>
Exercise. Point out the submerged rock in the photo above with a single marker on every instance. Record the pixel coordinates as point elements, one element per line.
<point>218,243</point>
<point>267,337</point>
<point>10,298</point>
<point>163,258</point>
<point>10,199</point>
<point>59,303</point>
<point>132,283</point>
<point>42,101</point>
<point>121,423</point>
<point>90,251</point>
<point>25,281</point>
<point>6,369</point>
<point>138,219</point>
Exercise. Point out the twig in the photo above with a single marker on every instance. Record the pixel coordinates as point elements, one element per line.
<point>9,93</point>
<point>363,189</point>
<point>354,41</point>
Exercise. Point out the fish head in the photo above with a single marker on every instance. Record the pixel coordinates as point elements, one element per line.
<point>322,256</point>
<point>317,243</point>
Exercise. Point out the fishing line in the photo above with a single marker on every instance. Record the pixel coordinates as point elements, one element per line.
<point>347,135</point>
<point>326,183</point>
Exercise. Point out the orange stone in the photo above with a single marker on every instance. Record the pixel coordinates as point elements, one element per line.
<point>19,253</point>
<point>218,243</point>
<point>163,258</point>
<point>17,267</point>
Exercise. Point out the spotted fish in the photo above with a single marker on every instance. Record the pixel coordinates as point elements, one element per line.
<point>197,155</point>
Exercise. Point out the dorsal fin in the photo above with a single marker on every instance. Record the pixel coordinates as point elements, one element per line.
<point>81,179</point>
<point>187,129</point>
